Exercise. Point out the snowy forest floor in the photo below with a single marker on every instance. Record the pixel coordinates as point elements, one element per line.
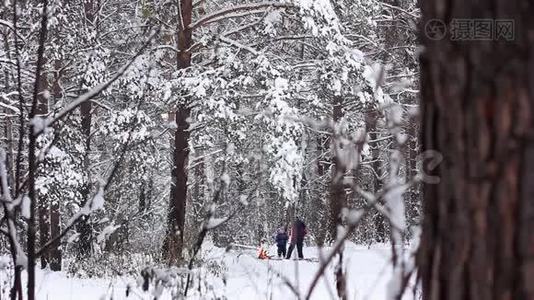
<point>240,275</point>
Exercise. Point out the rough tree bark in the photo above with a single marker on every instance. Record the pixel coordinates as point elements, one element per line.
<point>174,239</point>
<point>478,110</point>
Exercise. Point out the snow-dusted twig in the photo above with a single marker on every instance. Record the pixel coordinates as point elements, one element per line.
<point>238,45</point>
<point>241,28</point>
<point>414,16</point>
<point>11,27</point>
<point>198,2</point>
<point>245,9</point>
<point>7,105</point>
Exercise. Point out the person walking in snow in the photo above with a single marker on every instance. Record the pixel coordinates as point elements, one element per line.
<point>281,242</point>
<point>297,233</point>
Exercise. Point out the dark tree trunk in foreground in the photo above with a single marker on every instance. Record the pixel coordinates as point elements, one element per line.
<point>173,244</point>
<point>478,110</point>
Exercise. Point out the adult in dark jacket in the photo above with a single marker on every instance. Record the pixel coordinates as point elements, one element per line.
<point>297,234</point>
<point>281,238</point>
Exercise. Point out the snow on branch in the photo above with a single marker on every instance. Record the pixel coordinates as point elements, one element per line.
<point>10,107</point>
<point>96,203</point>
<point>249,8</point>
<point>99,88</point>
<point>238,45</point>
<point>7,24</point>
<point>414,16</point>
<point>241,28</point>
<point>11,27</point>
<point>7,105</point>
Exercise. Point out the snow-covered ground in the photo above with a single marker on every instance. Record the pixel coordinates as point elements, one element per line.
<point>368,275</point>
<point>239,275</point>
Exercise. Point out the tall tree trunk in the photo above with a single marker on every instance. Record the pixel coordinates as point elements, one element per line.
<point>32,154</point>
<point>43,205</point>
<point>55,215</point>
<point>55,230</point>
<point>337,189</point>
<point>83,227</point>
<point>478,110</point>
<point>14,168</point>
<point>174,239</point>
